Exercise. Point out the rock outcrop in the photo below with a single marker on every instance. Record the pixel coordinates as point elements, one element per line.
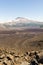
<point>27,58</point>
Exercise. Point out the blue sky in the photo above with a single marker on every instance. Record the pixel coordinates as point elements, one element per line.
<point>11,9</point>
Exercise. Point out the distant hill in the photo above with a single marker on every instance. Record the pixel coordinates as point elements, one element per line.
<point>21,23</point>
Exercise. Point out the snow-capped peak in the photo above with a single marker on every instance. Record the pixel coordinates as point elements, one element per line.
<point>21,20</point>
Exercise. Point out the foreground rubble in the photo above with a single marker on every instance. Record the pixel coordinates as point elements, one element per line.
<point>27,58</point>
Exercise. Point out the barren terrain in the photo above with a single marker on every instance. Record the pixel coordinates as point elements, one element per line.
<point>20,47</point>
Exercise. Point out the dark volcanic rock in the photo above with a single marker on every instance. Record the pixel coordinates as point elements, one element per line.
<point>41,60</point>
<point>33,62</point>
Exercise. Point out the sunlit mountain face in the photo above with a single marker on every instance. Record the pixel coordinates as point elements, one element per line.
<point>22,23</point>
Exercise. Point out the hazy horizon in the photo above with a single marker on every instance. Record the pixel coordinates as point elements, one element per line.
<point>20,18</point>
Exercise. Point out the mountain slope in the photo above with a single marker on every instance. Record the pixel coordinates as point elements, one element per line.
<point>21,23</point>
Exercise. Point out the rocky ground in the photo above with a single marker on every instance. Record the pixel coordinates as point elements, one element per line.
<point>21,48</point>
<point>27,58</point>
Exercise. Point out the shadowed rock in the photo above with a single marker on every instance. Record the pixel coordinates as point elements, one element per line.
<point>33,62</point>
<point>41,61</point>
<point>9,58</point>
<point>4,63</point>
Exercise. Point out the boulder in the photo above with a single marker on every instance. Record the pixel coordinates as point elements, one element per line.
<point>33,62</point>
